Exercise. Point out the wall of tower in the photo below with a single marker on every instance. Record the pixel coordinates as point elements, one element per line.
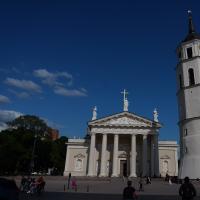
<point>192,102</point>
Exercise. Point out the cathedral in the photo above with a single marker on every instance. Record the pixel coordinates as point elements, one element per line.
<point>122,144</point>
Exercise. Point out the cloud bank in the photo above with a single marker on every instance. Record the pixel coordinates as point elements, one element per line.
<point>4,99</point>
<point>6,116</point>
<point>23,84</point>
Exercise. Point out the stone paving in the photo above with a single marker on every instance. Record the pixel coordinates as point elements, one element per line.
<point>107,189</point>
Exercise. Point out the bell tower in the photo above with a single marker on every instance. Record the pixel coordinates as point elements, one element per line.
<point>188,95</point>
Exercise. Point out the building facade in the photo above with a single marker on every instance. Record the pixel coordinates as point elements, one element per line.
<point>188,94</point>
<point>123,144</point>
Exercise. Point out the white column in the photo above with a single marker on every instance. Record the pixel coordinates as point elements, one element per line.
<point>115,155</point>
<point>152,156</point>
<point>103,156</point>
<point>133,157</point>
<point>156,156</point>
<point>91,156</point>
<point>144,156</point>
<point>66,173</point>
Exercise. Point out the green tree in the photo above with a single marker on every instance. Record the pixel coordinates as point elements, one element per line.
<point>58,154</point>
<point>17,142</point>
<point>30,123</point>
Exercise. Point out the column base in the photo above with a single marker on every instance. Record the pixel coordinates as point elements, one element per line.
<point>91,175</point>
<point>102,175</point>
<point>132,175</point>
<point>114,175</point>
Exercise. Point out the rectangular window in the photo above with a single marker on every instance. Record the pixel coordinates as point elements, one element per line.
<point>189,52</point>
<point>186,150</point>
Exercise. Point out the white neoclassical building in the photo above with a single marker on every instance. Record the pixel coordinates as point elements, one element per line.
<point>122,144</point>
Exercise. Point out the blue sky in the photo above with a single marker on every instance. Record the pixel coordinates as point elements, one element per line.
<point>61,58</point>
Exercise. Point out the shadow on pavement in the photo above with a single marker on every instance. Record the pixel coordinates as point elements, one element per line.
<point>89,196</point>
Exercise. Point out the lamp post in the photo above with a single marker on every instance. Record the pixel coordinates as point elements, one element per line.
<point>32,163</point>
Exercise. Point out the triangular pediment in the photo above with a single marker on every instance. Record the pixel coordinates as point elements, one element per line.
<point>123,119</point>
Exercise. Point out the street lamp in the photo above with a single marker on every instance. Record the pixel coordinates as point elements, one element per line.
<point>32,163</point>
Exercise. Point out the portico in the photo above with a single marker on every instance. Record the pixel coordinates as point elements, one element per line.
<point>123,135</point>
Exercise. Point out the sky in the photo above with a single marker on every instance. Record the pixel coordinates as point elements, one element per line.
<point>59,59</point>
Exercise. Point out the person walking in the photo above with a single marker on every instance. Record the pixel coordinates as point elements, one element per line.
<point>129,192</point>
<point>141,184</point>
<point>68,181</point>
<point>187,191</point>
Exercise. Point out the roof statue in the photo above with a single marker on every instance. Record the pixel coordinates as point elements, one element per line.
<point>125,93</point>
<point>155,115</point>
<point>94,113</point>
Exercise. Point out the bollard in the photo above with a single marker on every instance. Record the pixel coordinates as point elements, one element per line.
<point>64,187</point>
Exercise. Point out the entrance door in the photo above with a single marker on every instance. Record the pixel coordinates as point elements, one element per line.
<point>123,168</point>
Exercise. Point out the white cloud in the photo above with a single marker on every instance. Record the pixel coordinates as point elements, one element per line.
<point>23,84</point>
<point>66,92</point>
<point>21,95</point>
<point>6,116</point>
<point>51,79</point>
<point>4,99</point>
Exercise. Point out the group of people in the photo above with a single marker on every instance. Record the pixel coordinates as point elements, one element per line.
<point>187,190</point>
<point>31,185</point>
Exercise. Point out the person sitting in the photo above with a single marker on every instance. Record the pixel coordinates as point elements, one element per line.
<point>129,192</point>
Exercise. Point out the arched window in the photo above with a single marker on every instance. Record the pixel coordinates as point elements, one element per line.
<point>191,77</point>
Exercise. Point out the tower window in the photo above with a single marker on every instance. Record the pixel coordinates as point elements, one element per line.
<point>189,52</point>
<point>186,132</point>
<point>191,77</point>
<point>180,81</point>
<point>186,150</point>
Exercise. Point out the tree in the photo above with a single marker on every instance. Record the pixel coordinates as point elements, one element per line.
<point>30,123</point>
<point>58,154</point>
<point>17,144</point>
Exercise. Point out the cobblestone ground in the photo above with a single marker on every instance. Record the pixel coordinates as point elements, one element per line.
<point>87,196</point>
<point>105,189</point>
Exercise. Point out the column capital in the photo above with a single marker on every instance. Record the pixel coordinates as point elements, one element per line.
<point>92,133</point>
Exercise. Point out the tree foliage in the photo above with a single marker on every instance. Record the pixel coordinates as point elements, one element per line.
<point>16,146</point>
<point>30,123</point>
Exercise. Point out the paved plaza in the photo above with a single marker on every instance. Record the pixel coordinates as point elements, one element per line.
<point>106,189</point>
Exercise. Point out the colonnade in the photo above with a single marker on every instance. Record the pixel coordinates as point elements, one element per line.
<point>133,153</point>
